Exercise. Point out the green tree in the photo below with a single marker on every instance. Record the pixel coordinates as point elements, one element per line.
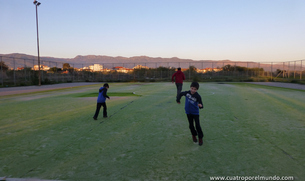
<point>55,69</point>
<point>66,66</point>
<point>241,69</point>
<point>164,69</point>
<point>228,68</point>
<point>27,69</point>
<point>3,66</point>
<point>192,68</point>
<point>71,69</point>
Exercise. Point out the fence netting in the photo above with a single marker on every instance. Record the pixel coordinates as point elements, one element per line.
<point>18,71</point>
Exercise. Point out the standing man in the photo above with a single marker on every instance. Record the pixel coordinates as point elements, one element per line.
<point>179,77</point>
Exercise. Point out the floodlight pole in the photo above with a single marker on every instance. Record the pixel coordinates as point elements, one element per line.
<point>36,3</point>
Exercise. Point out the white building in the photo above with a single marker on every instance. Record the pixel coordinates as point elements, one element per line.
<point>42,67</point>
<point>97,67</point>
<point>94,68</point>
<point>140,67</point>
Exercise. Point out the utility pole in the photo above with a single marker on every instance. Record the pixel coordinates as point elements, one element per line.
<point>36,3</point>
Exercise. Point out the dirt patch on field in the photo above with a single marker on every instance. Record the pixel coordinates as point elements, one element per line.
<point>32,97</point>
<point>48,94</point>
<point>29,89</point>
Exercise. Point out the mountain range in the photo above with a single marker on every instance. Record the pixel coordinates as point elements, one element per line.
<point>80,61</point>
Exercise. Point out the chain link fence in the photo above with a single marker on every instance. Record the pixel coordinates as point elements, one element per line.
<point>19,72</point>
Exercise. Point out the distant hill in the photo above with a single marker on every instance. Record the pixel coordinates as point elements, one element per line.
<point>100,59</point>
<point>80,61</point>
<point>136,59</point>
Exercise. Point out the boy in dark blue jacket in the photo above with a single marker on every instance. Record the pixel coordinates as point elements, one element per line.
<point>193,103</point>
<point>101,101</point>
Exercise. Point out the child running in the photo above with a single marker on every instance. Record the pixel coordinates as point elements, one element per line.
<point>193,103</point>
<point>101,101</point>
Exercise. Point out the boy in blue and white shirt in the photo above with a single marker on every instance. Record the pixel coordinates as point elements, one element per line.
<point>101,101</point>
<point>193,103</point>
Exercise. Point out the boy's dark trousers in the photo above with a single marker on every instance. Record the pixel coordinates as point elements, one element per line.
<point>179,88</point>
<point>98,107</point>
<point>198,131</point>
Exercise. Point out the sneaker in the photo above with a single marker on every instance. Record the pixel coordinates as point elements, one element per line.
<point>105,116</point>
<point>194,139</point>
<point>200,141</point>
<point>94,118</point>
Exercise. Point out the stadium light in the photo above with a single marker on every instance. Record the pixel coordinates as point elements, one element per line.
<point>36,3</point>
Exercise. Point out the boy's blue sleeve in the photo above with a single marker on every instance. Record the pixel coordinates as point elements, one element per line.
<point>105,93</point>
<point>179,96</point>
<point>200,101</point>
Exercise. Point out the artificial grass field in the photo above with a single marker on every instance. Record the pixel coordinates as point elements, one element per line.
<point>249,130</point>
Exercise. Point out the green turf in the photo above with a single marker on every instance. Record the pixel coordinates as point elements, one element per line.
<point>95,94</point>
<point>249,130</point>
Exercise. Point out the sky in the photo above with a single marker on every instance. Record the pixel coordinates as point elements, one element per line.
<point>237,30</point>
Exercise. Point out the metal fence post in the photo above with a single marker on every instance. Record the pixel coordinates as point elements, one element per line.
<point>294,70</point>
<point>283,70</point>
<point>2,75</point>
<point>301,70</point>
<point>83,71</point>
<point>50,76</point>
<point>247,70</point>
<point>288,70</point>
<point>24,72</point>
<point>189,71</point>
<point>14,71</point>
<point>33,77</point>
<point>271,71</point>
<point>259,65</point>
<point>41,71</point>
<point>63,78</point>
